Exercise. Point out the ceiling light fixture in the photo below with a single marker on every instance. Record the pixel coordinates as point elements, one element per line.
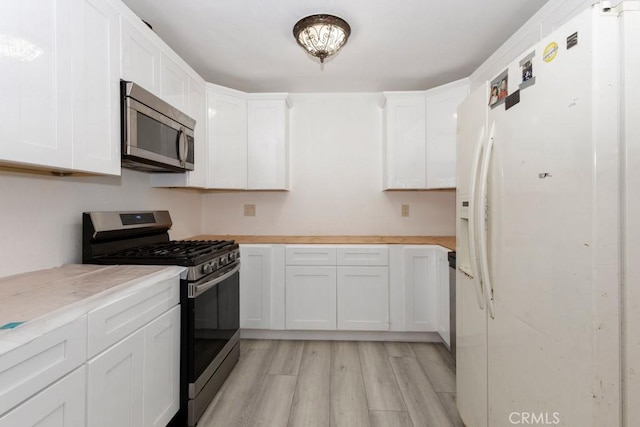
<point>321,35</point>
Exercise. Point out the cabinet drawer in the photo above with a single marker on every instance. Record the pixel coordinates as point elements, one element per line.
<point>62,404</point>
<point>114,321</point>
<point>310,255</point>
<point>363,255</point>
<point>33,366</point>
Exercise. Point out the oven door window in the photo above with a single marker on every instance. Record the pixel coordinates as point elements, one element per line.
<point>215,320</point>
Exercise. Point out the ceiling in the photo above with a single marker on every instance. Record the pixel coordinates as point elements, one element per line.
<point>394,45</point>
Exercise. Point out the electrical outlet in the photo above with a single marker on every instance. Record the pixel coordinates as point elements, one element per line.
<point>249,210</point>
<point>405,210</point>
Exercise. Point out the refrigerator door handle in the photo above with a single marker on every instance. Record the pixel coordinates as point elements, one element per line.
<point>482,219</point>
<point>473,235</point>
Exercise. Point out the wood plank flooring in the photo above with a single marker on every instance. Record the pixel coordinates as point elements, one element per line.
<point>337,383</point>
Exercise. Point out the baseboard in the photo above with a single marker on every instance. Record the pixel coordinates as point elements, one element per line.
<point>341,335</point>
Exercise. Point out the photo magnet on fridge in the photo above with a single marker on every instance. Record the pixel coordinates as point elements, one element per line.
<point>499,89</point>
<point>526,68</point>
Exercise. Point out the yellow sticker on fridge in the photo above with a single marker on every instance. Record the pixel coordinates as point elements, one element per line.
<point>550,52</point>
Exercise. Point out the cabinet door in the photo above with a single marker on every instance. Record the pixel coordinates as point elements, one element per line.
<point>140,58</point>
<point>363,298</point>
<point>311,298</point>
<point>115,384</point>
<point>443,296</point>
<point>96,87</point>
<point>268,165</point>
<point>255,286</point>
<point>405,150</point>
<point>420,289</point>
<point>162,369</point>
<point>197,111</point>
<point>61,405</point>
<point>173,83</point>
<point>227,129</point>
<point>442,106</point>
<point>35,102</point>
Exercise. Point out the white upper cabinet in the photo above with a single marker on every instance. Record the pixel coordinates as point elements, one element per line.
<point>96,87</point>
<point>59,91</point>
<point>174,83</point>
<point>227,138</point>
<point>268,145</point>
<point>34,78</point>
<point>197,110</point>
<point>442,107</point>
<point>420,137</point>
<point>247,140</point>
<point>140,57</point>
<point>405,141</point>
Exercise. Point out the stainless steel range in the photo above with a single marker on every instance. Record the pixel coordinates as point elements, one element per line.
<point>210,298</point>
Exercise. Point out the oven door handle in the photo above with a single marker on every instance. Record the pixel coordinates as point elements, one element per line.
<point>195,291</point>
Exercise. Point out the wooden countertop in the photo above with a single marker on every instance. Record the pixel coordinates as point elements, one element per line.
<point>448,242</point>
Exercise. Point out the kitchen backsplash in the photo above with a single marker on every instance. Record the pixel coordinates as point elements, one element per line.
<point>41,216</point>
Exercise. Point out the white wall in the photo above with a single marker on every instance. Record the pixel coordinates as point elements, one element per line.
<point>41,215</point>
<point>336,181</point>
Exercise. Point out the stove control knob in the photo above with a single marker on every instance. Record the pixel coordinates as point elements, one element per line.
<point>232,256</point>
<point>207,269</point>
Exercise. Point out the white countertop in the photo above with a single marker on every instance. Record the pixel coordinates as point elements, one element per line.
<point>47,299</point>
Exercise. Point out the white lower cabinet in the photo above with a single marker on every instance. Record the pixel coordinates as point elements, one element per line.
<point>311,297</point>
<point>399,288</point>
<point>161,379</point>
<point>115,384</point>
<point>117,365</point>
<point>255,286</point>
<point>30,368</point>
<point>413,288</point>
<point>136,381</point>
<point>363,298</point>
<point>444,327</point>
<point>60,405</point>
<point>420,290</point>
<point>344,287</point>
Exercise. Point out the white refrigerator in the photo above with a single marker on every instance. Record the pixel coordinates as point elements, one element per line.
<point>548,227</point>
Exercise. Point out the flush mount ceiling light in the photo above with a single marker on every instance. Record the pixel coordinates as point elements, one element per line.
<point>321,35</point>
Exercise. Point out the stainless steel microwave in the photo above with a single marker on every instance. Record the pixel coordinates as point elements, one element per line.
<point>156,137</point>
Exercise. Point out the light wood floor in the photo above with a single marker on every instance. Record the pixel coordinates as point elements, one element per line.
<point>337,383</point>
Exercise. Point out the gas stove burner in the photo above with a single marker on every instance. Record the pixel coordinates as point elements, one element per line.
<point>183,249</point>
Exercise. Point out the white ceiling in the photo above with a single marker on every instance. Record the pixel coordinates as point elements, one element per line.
<point>394,45</point>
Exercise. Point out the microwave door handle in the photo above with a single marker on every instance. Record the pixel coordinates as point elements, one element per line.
<point>183,146</point>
